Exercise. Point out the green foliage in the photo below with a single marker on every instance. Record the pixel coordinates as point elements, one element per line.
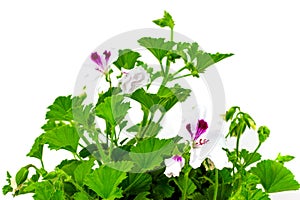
<point>263,133</point>
<point>105,181</point>
<point>282,159</point>
<point>148,154</point>
<point>167,20</point>
<point>113,109</point>
<point>274,177</point>
<point>63,137</point>
<point>127,59</point>
<point>157,46</point>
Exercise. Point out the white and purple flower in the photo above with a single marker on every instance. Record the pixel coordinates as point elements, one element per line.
<point>217,155</point>
<point>101,61</point>
<point>174,166</point>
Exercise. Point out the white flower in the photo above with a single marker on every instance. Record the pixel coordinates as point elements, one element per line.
<point>134,79</point>
<point>217,156</point>
<point>174,166</point>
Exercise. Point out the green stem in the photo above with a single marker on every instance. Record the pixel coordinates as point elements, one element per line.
<point>162,68</point>
<point>180,70</point>
<point>178,77</point>
<point>258,146</point>
<point>216,184</point>
<point>208,179</point>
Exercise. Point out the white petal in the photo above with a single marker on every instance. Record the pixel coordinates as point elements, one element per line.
<point>218,156</point>
<point>195,158</point>
<point>173,167</point>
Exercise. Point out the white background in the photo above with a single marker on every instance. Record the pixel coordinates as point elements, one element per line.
<point>44,43</point>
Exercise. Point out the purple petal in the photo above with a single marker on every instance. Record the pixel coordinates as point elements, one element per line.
<point>97,59</point>
<point>201,128</point>
<point>177,158</point>
<point>107,55</point>
<point>188,128</point>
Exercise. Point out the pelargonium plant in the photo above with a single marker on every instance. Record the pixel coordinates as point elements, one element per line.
<point>108,164</point>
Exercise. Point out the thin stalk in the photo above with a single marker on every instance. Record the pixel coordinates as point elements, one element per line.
<point>180,70</point>
<point>178,77</point>
<point>172,34</point>
<point>216,184</point>
<point>258,146</point>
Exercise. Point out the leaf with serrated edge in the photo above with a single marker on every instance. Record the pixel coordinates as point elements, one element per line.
<point>104,181</point>
<point>275,177</point>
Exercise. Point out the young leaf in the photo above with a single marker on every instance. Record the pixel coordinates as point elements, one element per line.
<point>69,166</point>
<point>37,148</point>
<point>204,60</point>
<point>104,181</point>
<point>157,46</point>
<point>167,20</point>
<point>249,158</point>
<point>127,59</point>
<point>113,110</point>
<point>63,137</point>
<point>275,177</point>
<point>229,114</point>
<point>163,190</point>
<point>283,159</point>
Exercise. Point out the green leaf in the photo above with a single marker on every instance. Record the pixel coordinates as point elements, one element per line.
<point>185,185</point>
<point>167,20</point>
<point>104,181</point>
<point>163,190</point>
<point>148,154</point>
<point>127,59</point>
<point>283,159</point>
<point>37,148</point>
<point>263,133</point>
<point>229,114</point>
<point>142,196</point>
<point>43,191</point>
<point>80,196</point>
<point>144,98</point>
<point>63,137</point>
<point>58,195</point>
<point>150,130</point>
<point>22,175</point>
<point>61,109</point>
<point>82,171</point>
<point>137,183</point>
<point>157,46</point>
<point>198,196</point>
<point>249,158</point>
<point>69,166</point>
<point>113,110</point>
<point>6,189</point>
<point>275,177</point>
<point>204,60</point>
<point>224,191</point>
<point>124,166</point>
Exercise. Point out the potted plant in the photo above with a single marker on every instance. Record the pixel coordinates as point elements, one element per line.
<point>118,157</point>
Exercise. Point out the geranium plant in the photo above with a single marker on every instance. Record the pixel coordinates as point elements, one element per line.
<point>109,165</point>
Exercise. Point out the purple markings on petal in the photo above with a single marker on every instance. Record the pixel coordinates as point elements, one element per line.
<point>97,59</point>
<point>177,158</point>
<point>107,56</point>
<point>201,128</point>
<point>188,128</point>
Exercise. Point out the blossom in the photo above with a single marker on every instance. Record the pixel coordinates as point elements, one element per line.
<point>134,79</point>
<point>217,155</point>
<point>101,61</point>
<point>200,129</point>
<point>174,166</point>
